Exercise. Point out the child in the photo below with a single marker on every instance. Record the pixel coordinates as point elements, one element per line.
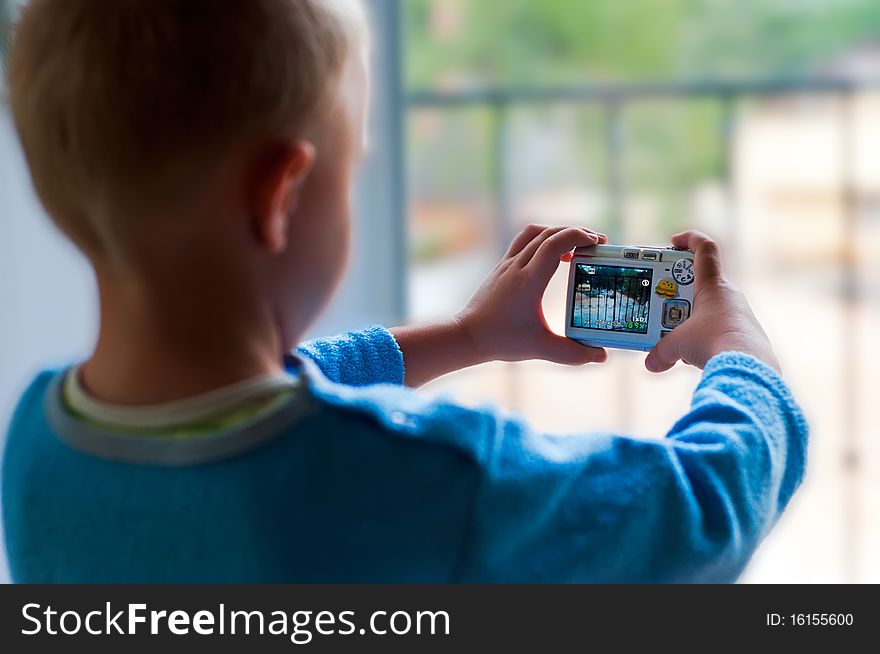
<point>201,154</point>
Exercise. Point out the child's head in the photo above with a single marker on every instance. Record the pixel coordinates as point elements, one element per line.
<point>167,134</point>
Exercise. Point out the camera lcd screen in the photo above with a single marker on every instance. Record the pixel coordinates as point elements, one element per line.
<point>612,298</point>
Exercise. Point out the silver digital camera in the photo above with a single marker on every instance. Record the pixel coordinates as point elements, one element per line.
<point>628,297</point>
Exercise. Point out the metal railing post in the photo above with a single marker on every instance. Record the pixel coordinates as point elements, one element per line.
<point>850,356</point>
<point>727,136</point>
<point>501,187</point>
<point>615,181</point>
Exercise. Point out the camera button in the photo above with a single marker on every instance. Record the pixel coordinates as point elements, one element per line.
<point>675,312</point>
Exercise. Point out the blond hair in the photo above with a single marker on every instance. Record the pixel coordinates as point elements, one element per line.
<point>121,104</point>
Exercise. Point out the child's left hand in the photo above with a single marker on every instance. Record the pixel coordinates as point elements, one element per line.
<point>505,319</point>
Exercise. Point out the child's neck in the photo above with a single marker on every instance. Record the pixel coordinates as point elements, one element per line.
<point>168,339</point>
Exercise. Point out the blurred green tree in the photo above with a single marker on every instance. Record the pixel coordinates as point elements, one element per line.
<point>554,41</point>
<point>669,147</point>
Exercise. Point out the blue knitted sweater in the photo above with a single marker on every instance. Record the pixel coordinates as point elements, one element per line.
<point>358,479</point>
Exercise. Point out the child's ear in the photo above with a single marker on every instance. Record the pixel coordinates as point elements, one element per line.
<point>278,186</point>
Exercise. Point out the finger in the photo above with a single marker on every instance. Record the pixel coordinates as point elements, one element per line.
<point>602,239</point>
<point>565,351</point>
<point>526,236</point>
<point>707,256</point>
<point>550,252</point>
<point>664,355</point>
<point>532,247</point>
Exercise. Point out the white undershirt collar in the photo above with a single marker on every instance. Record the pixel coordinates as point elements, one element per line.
<point>177,414</point>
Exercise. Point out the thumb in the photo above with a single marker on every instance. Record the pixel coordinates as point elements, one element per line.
<point>560,349</point>
<point>665,354</point>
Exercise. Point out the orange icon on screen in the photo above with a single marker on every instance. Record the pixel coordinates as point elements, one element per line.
<point>667,288</point>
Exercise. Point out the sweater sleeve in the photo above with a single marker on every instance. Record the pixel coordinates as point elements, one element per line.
<point>361,358</point>
<point>692,507</point>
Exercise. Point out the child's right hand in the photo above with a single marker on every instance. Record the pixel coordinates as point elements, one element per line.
<point>722,320</point>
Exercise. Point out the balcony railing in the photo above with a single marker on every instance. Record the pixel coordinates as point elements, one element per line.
<point>615,101</point>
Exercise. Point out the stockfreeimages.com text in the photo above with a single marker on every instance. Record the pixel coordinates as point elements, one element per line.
<point>300,626</point>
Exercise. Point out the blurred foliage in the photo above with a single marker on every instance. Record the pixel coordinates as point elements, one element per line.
<point>562,41</point>
<point>668,147</point>
<point>5,33</point>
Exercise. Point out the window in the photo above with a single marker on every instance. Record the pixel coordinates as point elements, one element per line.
<point>754,121</point>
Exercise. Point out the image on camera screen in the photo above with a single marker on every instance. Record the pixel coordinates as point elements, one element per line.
<point>612,298</point>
